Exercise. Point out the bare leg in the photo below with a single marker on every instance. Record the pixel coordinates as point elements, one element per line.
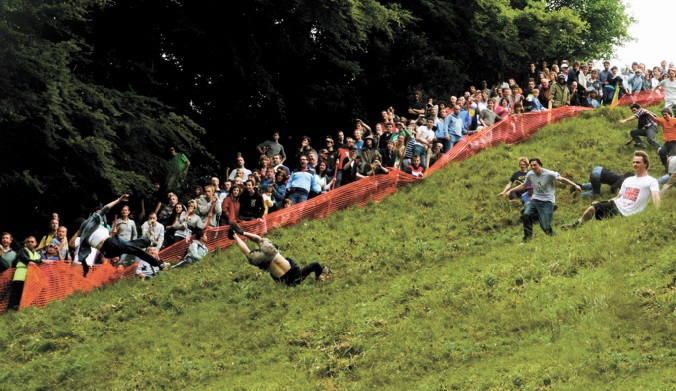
<point>253,237</point>
<point>242,246</point>
<point>588,214</point>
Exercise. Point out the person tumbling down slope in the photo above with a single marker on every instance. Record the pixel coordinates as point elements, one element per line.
<point>95,235</point>
<point>268,258</point>
<point>633,198</point>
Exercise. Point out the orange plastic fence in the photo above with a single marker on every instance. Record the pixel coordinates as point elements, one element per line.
<point>47,283</point>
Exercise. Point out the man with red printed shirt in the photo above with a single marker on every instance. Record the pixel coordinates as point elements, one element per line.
<point>634,195</point>
<point>415,168</point>
<point>668,124</point>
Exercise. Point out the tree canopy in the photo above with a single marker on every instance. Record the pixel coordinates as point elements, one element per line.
<point>94,92</point>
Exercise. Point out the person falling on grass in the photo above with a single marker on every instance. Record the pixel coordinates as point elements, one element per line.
<point>268,258</point>
<point>633,198</point>
<point>94,235</point>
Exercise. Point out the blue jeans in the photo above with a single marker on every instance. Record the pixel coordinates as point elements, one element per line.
<point>422,152</point>
<point>540,210</point>
<point>298,195</point>
<point>594,185</point>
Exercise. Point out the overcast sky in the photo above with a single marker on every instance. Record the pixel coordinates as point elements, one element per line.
<point>654,33</point>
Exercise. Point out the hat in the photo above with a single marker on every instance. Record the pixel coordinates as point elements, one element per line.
<point>353,147</point>
<point>561,76</point>
<point>564,65</point>
<point>412,122</point>
<point>369,137</point>
<point>591,90</point>
<point>55,242</point>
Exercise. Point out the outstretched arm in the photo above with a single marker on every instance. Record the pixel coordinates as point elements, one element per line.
<point>123,198</point>
<point>568,181</point>
<point>633,117</point>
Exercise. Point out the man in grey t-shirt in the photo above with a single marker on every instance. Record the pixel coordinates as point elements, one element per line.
<point>541,206</point>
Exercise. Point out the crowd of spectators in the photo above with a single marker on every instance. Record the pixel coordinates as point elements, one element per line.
<point>287,175</point>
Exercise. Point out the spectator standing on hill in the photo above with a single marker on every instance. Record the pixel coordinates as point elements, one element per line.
<point>634,195</point>
<point>7,254</point>
<point>152,231</point>
<point>268,258</point>
<point>669,87</point>
<point>53,227</point>
<point>28,254</point>
<point>416,106</point>
<point>208,207</point>
<point>541,206</point>
<point>416,168</point>
<point>239,165</point>
<point>302,181</point>
<point>178,169</point>
<point>251,205</point>
<point>277,164</point>
<point>305,147</point>
<point>424,139</point>
<point>272,147</point>
<point>559,94</point>
<point>454,126</point>
<point>668,124</point>
<point>646,126</point>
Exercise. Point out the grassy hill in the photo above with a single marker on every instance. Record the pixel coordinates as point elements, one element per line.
<point>430,291</point>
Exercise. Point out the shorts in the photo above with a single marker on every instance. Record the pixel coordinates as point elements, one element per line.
<point>605,210</point>
<point>262,257</point>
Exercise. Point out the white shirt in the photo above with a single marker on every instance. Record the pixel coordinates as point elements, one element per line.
<point>635,194</point>
<point>97,237</point>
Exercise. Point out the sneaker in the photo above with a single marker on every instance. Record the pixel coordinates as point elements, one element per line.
<point>572,226</point>
<point>326,273</point>
<point>235,227</point>
<point>164,265</point>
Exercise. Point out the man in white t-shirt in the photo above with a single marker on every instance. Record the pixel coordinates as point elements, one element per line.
<point>634,195</point>
<point>424,140</point>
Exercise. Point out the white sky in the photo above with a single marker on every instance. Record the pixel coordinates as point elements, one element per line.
<point>654,33</point>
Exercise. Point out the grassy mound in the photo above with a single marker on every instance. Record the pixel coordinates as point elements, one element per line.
<point>430,291</point>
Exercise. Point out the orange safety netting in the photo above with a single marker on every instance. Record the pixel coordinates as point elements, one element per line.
<point>47,283</point>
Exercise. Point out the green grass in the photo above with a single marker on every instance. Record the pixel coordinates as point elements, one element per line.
<point>430,292</point>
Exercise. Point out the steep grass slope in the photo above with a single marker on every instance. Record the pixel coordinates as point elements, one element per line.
<point>430,291</point>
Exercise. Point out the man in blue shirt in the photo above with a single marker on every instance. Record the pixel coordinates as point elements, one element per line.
<point>300,183</point>
<point>455,126</point>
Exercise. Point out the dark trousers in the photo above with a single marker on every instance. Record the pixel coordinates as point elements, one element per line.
<point>115,247</point>
<point>668,149</point>
<point>648,132</point>
<point>296,275</point>
<point>15,293</point>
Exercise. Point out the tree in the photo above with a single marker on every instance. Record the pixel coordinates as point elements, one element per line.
<point>69,144</point>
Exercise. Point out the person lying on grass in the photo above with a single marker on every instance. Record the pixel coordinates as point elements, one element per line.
<point>268,257</point>
<point>634,195</point>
